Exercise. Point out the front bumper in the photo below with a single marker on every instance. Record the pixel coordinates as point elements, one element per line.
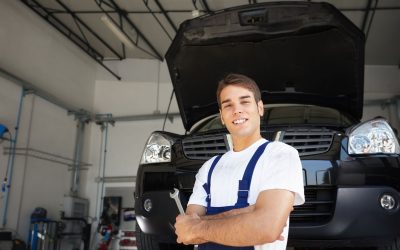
<point>160,220</point>
<point>358,219</point>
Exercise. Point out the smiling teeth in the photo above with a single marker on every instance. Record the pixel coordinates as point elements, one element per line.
<point>239,121</point>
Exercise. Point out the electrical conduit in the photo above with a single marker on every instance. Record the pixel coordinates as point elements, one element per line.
<point>11,162</point>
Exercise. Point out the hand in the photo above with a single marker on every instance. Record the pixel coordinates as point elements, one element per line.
<point>186,227</point>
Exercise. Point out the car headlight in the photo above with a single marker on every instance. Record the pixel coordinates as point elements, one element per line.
<point>157,149</point>
<point>373,137</point>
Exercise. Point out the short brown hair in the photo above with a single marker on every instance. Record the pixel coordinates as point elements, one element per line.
<point>239,80</point>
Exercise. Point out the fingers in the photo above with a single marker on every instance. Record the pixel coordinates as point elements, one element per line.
<point>184,228</point>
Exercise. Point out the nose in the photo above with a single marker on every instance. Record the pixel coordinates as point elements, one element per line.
<point>237,110</point>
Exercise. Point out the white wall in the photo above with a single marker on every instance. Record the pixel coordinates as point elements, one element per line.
<point>381,89</point>
<point>136,94</point>
<point>32,51</point>
<point>35,182</point>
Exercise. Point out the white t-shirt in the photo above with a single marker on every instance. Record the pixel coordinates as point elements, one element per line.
<point>279,167</point>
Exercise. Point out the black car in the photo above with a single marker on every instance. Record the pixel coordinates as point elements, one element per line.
<point>308,60</point>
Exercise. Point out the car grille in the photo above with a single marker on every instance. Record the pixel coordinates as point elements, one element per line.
<point>205,147</point>
<point>318,208</point>
<point>306,141</point>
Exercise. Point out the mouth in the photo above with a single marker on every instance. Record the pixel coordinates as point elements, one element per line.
<point>239,121</point>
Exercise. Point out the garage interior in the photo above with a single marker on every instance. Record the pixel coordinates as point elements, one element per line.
<point>78,101</point>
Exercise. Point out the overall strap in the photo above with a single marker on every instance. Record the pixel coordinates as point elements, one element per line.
<point>244,184</point>
<point>207,185</point>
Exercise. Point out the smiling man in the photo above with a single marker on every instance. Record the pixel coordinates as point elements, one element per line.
<point>242,199</point>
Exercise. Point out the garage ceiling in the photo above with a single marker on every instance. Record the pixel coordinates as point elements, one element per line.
<point>151,24</point>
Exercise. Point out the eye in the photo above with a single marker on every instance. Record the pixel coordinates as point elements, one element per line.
<point>227,105</point>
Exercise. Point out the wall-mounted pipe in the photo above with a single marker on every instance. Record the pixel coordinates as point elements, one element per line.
<point>101,170</point>
<point>25,165</point>
<point>98,191</point>
<point>117,179</point>
<point>75,176</point>
<point>382,102</point>
<point>144,117</point>
<point>102,165</point>
<point>40,154</point>
<point>10,166</point>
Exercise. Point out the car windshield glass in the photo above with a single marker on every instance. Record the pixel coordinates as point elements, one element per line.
<point>290,115</point>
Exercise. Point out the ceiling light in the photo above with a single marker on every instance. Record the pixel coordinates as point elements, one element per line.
<point>117,31</point>
<point>195,13</point>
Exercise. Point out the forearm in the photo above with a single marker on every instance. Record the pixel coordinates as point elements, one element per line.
<point>264,224</point>
<point>229,213</point>
<point>246,229</point>
<point>200,212</point>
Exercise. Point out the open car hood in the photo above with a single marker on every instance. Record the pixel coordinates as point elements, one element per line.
<point>297,52</point>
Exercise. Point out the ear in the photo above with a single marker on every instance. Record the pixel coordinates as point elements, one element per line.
<point>220,116</point>
<point>260,106</point>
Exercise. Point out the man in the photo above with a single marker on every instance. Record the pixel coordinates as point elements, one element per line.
<point>243,199</point>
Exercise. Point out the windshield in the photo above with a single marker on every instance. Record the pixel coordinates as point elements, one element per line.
<point>289,115</point>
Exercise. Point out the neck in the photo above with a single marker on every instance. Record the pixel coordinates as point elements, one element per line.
<point>241,143</point>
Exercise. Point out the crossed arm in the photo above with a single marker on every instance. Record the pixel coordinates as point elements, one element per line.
<point>258,224</point>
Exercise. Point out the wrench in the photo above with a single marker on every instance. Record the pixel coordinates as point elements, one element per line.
<point>175,196</point>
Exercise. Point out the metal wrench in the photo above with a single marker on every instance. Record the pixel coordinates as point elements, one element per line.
<point>175,196</point>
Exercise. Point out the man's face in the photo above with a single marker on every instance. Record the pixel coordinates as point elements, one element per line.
<point>239,111</point>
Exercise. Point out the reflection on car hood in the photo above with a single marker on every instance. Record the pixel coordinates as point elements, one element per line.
<point>307,53</point>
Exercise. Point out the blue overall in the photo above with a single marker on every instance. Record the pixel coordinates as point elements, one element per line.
<point>243,193</point>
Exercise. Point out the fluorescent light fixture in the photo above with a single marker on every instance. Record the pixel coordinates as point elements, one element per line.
<point>195,13</point>
<point>117,31</point>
